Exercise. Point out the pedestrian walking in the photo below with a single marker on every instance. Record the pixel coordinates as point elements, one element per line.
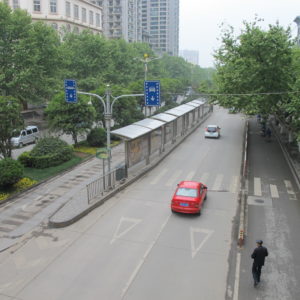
<point>258,255</point>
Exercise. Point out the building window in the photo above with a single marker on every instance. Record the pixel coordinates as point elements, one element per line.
<point>91,17</point>
<point>16,4</point>
<point>76,11</point>
<point>53,6</point>
<point>68,9</point>
<point>98,22</point>
<point>36,5</point>
<point>83,14</point>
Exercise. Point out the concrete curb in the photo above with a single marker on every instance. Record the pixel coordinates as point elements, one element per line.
<point>243,193</point>
<point>58,224</point>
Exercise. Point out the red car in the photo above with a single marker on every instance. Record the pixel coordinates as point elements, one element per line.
<point>189,197</point>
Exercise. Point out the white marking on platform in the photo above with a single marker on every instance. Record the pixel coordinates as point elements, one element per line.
<point>237,277</point>
<point>274,191</point>
<point>129,224</point>
<point>193,232</point>
<point>173,178</point>
<point>257,186</point>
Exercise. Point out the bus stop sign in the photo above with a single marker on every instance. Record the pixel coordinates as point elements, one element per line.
<point>70,91</point>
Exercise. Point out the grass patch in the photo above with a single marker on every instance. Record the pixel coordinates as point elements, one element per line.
<point>42,174</point>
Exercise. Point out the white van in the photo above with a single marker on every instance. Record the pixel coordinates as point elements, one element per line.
<point>28,135</point>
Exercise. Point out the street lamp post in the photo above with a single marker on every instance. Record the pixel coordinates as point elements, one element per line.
<point>108,110</point>
<point>146,60</point>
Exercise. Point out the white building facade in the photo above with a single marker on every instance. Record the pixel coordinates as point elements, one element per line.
<point>122,19</point>
<point>63,15</point>
<point>160,18</point>
<point>191,56</point>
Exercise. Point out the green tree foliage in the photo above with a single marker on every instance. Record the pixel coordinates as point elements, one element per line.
<point>29,56</point>
<point>70,118</point>
<point>97,137</point>
<point>11,171</point>
<point>257,62</point>
<point>10,120</point>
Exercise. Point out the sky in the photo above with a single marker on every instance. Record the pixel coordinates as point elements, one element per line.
<point>200,21</point>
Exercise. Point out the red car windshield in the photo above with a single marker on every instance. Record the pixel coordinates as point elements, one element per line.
<point>186,192</point>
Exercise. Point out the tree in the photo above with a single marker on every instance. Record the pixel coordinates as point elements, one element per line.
<point>70,118</point>
<point>29,57</point>
<point>253,66</point>
<point>10,120</point>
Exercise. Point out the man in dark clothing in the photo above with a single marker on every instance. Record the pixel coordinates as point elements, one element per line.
<point>258,256</point>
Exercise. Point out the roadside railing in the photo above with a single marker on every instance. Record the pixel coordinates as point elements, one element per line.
<point>106,183</point>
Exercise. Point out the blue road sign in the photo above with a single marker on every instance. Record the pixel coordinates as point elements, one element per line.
<point>152,92</point>
<point>70,91</point>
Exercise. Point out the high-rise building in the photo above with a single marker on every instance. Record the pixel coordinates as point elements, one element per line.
<point>71,15</point>
<point>122,19</point>
<point>191,56</point>
<point>160,18</point>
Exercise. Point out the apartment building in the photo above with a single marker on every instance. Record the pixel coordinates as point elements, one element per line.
<point>160,18</point>
<point>122,19</point>
<point>191,56</point>
<point>70,15</point>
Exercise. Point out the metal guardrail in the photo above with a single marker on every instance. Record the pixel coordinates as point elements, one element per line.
<point>105,183</point>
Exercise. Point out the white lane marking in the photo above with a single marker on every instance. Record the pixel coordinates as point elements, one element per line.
<point>290,190</point>
<point>233,188</point>
<point>129,224</point>
<point>257,186</point>
<point>218,181</point>
<point>190,176</point>
<point>274,191</point>
<point>138,267</point>
<point>237,277</point>
<point>204,177</point>
<point>173,178</point>
<point>159,176</point>
<point>194,231</point>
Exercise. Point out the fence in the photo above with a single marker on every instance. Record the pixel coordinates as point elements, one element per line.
<point>105,183</point>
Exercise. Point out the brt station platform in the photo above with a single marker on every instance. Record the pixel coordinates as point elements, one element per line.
<point>147,140</point>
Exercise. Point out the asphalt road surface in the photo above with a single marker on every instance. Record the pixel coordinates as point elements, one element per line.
<point>133,247</point>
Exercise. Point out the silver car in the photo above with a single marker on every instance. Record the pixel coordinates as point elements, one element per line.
<point>212,131</point>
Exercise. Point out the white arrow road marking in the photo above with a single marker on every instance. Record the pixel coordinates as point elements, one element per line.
<point>129,223</point>
<point>193,232</point>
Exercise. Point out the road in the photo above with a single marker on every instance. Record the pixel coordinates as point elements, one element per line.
<point>274,217</point>
<point>133,247</point>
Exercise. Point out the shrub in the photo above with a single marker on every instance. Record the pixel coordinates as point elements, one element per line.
<point>24,184</point>
<point>25,159</point>
<point>48,152</point>
<point>3,196</point>
<point>97,137</point>
<point>11,171</point>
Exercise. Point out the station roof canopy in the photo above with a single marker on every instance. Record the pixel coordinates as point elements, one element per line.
<point>199,100</point>
<point>180,110</point>
<point>164,117</point>
<point>149,123</point>
<point>131,131</point>
<point>194,104</point>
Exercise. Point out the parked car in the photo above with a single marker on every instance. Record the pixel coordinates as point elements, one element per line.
<point>189,197</point>
<point>212,131</point>
<point>26,136</point>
